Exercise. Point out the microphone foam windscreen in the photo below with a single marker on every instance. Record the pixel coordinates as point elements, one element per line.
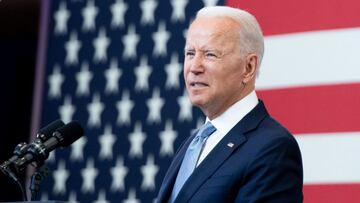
<point>47,131</point>
<point>70,133</point>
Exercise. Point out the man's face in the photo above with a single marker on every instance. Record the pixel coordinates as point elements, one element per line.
<point>213,67</point>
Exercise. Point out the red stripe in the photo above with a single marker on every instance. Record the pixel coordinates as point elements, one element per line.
<point>284,16</point>
<point>318,109</point>
<point>332,193</point>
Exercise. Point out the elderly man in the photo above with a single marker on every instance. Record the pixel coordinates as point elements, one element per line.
<point>241,154</point>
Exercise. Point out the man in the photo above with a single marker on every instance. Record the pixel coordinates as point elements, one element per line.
<point>245,155</point>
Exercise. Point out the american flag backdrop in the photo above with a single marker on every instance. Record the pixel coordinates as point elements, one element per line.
<point>116,67</point>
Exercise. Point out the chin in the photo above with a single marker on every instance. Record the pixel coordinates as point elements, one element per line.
<point>197,101</point>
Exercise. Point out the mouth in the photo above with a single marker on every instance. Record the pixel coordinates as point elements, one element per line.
<point>198,84</point>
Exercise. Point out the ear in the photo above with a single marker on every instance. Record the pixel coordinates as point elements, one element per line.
<point>250,67</point>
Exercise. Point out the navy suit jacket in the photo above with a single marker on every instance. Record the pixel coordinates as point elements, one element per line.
<point>257,161</point>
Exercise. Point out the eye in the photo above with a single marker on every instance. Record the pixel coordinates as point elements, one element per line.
<point>189,53</point>
<point>211,55</point>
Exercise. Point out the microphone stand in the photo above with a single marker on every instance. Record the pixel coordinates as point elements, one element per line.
<point>8,172</point>
<point>39,174</point>
<point>15,165</point>
<point>7,167</point>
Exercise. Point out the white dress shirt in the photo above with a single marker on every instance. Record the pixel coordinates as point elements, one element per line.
<point>227,120</point>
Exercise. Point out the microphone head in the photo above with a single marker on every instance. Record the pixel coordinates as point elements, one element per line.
<point>69,133</point>
<point>46,132</point>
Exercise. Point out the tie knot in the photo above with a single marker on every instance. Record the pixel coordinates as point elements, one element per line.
<point>206,130</point>
<point>202,134</point>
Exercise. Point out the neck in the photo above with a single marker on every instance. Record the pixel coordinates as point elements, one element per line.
<point>217,110</point>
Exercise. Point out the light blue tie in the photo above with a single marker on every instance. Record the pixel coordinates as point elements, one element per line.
<point>191,157</point>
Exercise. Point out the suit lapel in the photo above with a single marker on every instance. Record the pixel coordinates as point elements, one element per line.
<point>233,140</point>
<point>215,159</point>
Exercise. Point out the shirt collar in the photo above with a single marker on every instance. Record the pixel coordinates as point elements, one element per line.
<point>227,120</point>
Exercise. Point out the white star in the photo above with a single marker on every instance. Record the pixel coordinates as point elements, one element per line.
<point>118,10</point>
<point>88,176</point>
<point>210,3</point>
<point>130,41</point>
<point>95,108</point>
<point>142,73</point>
<point>101,43</point>
<point>160,38</point>
<point>112,76</point>
<point>66,110</point>
<point>178,13</point>
<point>136,139</point>
<point>154,104</point>
<point>172,72</point>
<point>83,79</point>
<point>72,197</point>
<point>89,14</point>
<point>101,197</point>
<point>124,107</point>
<point>60,176</point>
<point>118,174</point>
<point>149,172</point>
<point>55,80</point>
<point>72,49</point>
<point>185,112</point>
<point>61,17</point>
<point>51,157</point>
<point>107,141</point>
<point>148,11</point>
<point>167,138</point>
<point>131,197</point>
<point>77,149</point>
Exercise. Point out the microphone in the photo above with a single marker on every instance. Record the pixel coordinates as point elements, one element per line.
<point>54,135</point>
<point>39,151</point>
<point>44,134</point>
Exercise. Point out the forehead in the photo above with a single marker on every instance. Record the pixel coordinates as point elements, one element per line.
<point>212,30</point>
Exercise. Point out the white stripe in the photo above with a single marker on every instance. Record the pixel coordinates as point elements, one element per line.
<point>330,157</point>
<point>311,58</point>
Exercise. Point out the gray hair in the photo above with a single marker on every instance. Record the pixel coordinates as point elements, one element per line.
<point>252,39</point>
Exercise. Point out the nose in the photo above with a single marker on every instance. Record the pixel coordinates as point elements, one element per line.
<point>196,64</point>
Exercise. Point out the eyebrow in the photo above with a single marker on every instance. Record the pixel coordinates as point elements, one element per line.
<point>202,50</point>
